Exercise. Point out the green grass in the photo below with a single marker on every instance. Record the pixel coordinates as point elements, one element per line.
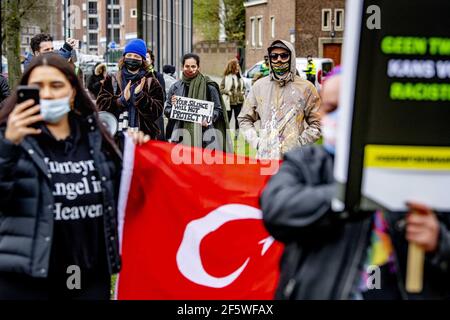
<point>113,285</point>
<point>241,147</point>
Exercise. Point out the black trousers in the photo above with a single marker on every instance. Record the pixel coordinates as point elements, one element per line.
<point>311,78</point>
<point>236,109</point>
<point>15,286</point>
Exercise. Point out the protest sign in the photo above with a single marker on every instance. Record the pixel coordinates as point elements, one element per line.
<point>192,110</point>
<point>393,144</point>
<point>394,137</point>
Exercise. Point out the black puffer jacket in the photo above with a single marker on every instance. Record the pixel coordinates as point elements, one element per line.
<point>324,249</point>
<point>26,203</point>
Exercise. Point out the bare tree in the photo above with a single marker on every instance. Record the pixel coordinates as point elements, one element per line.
<point>14,14</point>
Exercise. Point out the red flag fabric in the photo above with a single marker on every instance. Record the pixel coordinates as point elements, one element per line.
<point>194,230</point>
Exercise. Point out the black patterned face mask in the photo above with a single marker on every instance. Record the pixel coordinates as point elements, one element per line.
<point>132,64</point>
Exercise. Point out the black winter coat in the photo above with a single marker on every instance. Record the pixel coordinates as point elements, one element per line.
<point>94,84</point>
<point>26,203</point>
<point>149,105</point>
<point>324,249</point>
<point>4,88</point>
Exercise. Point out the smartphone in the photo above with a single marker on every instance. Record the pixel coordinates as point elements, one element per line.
<point>25,93</point>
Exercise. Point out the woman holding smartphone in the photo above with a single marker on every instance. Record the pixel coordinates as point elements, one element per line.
<point>59,180</point>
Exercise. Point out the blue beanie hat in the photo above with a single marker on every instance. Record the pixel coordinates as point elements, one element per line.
<point>136,46</point>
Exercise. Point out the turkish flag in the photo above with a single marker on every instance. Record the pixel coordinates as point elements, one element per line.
<point>191,226</point>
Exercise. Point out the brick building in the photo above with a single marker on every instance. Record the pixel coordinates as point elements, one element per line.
<point>313,27</point>
<point>319,28</point>
<point>265,21</point>
<point>96,23</point>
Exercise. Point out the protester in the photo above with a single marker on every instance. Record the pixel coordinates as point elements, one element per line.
<point>73,60</point>
<point>169,76</point>
<point>195,85</point>
<point>99,73</point>
<point>332,255</point>
<point>286,105</point>
<point>310,70</point>
<point>256,77</point>
<point>232,90</point>
<point>150,57</point>
<point>133,95</point>
<point>265,67</point>
<point>4,88</point>
<point>59,179</point>
<point>42,43</point>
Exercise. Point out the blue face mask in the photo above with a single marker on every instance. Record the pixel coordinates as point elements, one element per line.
<point>54,110</point>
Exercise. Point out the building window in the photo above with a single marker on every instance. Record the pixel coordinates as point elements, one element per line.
<point>92,9</point>
<point>133,13</point>
<point>260,34</point>
<point>339,19</point>
<point>113,35</point>
<point>272,26</point>
<point>115,19</point>
<point>326,19</point>
<point>93,24</point>
<point>116,16</point>
<point>93,39</point>
<point>253,24</point>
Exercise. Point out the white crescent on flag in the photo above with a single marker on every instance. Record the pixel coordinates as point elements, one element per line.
<point>188,257</point>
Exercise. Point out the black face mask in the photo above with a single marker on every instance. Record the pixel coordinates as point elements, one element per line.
<point>132,64</point>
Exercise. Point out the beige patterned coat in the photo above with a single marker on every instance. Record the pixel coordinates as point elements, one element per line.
<point>288,111</point>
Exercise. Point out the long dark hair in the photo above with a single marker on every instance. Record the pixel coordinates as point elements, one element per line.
<point>83,105</point>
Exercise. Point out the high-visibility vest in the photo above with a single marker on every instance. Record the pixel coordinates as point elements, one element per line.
<point>264,69</point>
<point>311,68</point>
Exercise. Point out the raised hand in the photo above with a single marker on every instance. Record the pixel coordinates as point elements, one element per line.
<point>140,87</point>
<point>422,227</point>
<point>19,120</point>
<point>127,91</point>
<point>138,137</point>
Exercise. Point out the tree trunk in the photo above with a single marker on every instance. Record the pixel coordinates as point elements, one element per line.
<point>12,35</point>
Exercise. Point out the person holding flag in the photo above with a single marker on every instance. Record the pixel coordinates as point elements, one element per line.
<point>59,183</point>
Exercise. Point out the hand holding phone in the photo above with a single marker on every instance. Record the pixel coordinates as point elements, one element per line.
<point>25,114</point>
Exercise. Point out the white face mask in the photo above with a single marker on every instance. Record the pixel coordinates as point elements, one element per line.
<point>329,131</point>
<point>54,110</point>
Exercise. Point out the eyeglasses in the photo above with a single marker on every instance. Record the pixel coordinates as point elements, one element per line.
<point>283,56</point>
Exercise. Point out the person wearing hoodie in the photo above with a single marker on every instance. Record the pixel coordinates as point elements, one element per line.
<point>133,96</point>
<point>332,255</point>
<point>286,105</point>
<point>42,43</point>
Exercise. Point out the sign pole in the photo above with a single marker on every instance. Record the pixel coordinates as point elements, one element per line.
<point>414,267</point>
